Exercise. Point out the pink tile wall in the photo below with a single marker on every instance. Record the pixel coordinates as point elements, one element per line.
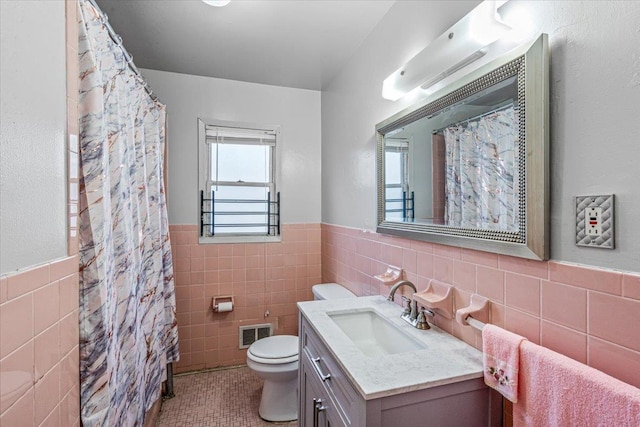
<point>587,313</point>
<point>39,358</point>
<point>39,351</point>
<point>260,276</point>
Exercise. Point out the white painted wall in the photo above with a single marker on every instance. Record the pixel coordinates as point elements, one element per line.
<point>595,110</point>
<point>33,178</point>
<point>297,111</point>
<point>352,105</point>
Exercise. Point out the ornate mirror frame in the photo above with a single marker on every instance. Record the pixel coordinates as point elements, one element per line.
<point>530,64</point>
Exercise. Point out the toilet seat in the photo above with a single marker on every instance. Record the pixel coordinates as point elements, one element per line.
<point>274,350</point>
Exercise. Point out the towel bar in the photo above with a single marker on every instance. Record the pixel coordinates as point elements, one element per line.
<point>475,324</point>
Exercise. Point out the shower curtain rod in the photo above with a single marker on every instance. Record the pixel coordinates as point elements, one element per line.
<point>504,107</point>
<point>118,40</point>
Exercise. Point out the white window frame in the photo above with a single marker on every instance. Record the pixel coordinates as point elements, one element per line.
<point>399,145</point>
<point>205,183</point>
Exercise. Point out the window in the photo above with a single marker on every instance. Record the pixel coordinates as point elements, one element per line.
<point>239,201</point>
<point>399,204</point>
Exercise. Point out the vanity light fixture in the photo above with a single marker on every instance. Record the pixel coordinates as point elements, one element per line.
<point>465,42</point>
<point>217,3</point>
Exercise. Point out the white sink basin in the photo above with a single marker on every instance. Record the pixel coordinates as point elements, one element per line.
<point>373,334</point>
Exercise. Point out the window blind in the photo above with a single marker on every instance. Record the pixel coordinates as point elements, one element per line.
<point>222,135</point>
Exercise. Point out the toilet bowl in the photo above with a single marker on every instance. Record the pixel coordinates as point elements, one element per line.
<point>275,360</point>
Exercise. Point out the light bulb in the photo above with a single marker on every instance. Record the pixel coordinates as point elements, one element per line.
<point>217,3</point>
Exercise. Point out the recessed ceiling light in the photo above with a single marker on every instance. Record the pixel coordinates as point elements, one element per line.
<point>217,3</point>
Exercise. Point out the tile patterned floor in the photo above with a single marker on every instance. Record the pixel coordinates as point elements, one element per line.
<point>221,398</point>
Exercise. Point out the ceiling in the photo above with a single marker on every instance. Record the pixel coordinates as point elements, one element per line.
<point>292,43</point>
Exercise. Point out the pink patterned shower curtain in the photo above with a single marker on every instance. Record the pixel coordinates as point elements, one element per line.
<point>128,331</point>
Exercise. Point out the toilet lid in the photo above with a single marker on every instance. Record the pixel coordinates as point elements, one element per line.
<point>275,347</point>
<point>331,291</point>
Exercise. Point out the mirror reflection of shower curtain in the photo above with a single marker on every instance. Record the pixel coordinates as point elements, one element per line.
<point>128,331</point>
<point>482,172</point>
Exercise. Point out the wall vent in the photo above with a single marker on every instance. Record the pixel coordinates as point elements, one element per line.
<point>251,333</point>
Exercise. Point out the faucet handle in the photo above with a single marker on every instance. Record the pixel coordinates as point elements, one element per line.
<point>407,307</point>
<point>421,321</point>
<point>428,312</point>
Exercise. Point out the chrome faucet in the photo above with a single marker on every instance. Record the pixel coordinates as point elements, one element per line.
<point>410,313</point>
<point>395,287</point>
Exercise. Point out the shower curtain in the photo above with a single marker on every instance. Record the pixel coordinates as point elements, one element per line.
<point>482,172</point>
<point>128,331</point>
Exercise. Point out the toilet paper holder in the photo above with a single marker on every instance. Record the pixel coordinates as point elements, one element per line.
<point>220,300</point>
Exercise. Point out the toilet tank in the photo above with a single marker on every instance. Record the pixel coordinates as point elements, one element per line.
<point>331,291</point>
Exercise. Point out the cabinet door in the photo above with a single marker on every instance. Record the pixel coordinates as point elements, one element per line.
<point>333,419</point>
<point>309,393</point>
<point>316,408</point>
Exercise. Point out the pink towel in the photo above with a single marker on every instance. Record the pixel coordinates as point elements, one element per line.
<point>558,391</point>
<point>501,358</point>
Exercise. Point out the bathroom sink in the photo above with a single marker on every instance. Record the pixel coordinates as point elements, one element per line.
<point>373,334</point>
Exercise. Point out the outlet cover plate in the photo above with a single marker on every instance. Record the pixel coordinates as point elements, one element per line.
<point>606,238</point>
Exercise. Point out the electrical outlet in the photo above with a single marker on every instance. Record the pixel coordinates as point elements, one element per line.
<point>594,221</point>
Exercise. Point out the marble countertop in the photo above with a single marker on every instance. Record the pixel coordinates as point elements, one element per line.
<point>445,360</point>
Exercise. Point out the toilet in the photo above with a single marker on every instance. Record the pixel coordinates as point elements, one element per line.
<point>331,291</point>
<point>275,360</point>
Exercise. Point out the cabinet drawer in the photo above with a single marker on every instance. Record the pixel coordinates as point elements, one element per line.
<point>330,374</point>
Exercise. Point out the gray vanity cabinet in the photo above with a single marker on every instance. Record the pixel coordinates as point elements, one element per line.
<point>328,398</point>
<point>322,379</point>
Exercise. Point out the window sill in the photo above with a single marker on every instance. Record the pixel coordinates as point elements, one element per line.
<point>239,239</point>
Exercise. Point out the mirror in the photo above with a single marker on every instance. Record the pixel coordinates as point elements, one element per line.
<point>468,166</point>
